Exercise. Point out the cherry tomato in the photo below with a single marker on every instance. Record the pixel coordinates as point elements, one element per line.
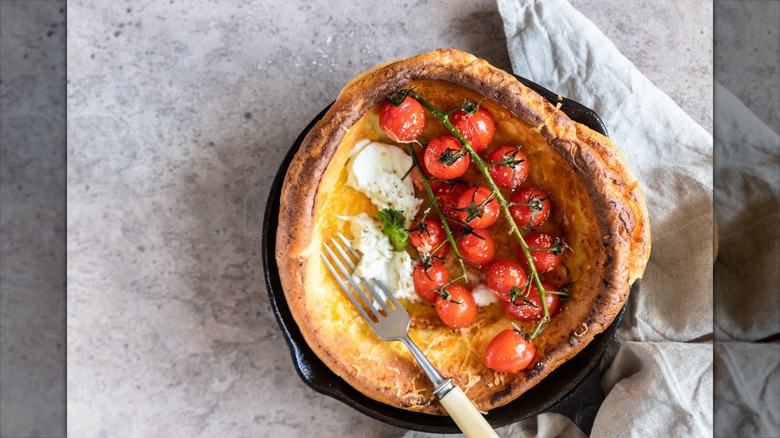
<point>402,123</point>
<point>427,235</point>
<point>509,352</point>
<point>503,275</point>
<point>478,128</point>
<point>477,247</point>
<point>520,310</point>
<point>470,212</point>
<point>513,170</point>
<point>447,195</point>
<point>460,121</point>
<point>428,280</point>
<point>444,159</point>
<point>544,259</point>
<point>459,309</point>
<point>417,180</point>
<point>525,216</point>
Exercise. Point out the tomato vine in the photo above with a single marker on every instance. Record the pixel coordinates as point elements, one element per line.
<point>496,192</point>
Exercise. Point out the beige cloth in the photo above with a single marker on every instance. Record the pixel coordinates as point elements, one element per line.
<point>747,271</point>
<point>748,212</point>
<point>657,375</point>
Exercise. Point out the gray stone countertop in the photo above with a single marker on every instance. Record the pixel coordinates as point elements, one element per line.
<point>179,114</point>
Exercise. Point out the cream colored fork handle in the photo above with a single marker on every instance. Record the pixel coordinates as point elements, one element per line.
<point>466,415</point>
<point>458,405</point>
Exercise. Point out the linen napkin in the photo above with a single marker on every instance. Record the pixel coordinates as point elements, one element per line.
<point>657,376</point>
<point>747,271</point>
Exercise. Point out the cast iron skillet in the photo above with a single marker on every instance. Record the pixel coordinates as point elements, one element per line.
<point>573,389</point>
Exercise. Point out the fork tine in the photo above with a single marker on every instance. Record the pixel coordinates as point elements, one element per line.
<point>369,302</point>
<point>349,246</point>
<point>344,287</point>
<point>377,298</point>
<point>387,292</point>
<point>343,253</point>
<point>376,295</point>
<point>365,283</point>
<point>355,286</point>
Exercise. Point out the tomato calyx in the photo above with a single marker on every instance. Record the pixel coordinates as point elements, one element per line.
<point>445,295</point>
<point>448,157</point>
<point>420,225</point>
<point>557,247</point>
<point>445,158</point>
<point>564,292</point>
<point>520,332</point>
<point>475,210</point>
<point>509,160</point>
<point>397,98</point>
<point>426,260</point>
<point>534,203</point>
<point>519,297</point>
<point>465,231</point>
<point>468,106</point>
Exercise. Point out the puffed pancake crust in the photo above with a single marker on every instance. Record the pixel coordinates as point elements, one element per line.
<point>598,206</point>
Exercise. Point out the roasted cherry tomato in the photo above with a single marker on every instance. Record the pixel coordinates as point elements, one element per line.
<point>471,210</point>
<point>546,251</point>
<point>447,195</point>
<point>530,308</point>
<point>509,166</point>
<point>509,352</point>
<point>444,158</point>
<point>427,236</point>
<point>416,175</point>
<point>402,123</point>
<point>428,280</point>
<point>478,128</point>
<point>505,279</point>
<point>530,216</point>
<point>458,309</point>
<point>478,247</point>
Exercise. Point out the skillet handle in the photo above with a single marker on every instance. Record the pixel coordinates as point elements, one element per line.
<point>582,404</point>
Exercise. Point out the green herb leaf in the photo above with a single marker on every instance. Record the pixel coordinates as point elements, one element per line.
<point>393,226</point>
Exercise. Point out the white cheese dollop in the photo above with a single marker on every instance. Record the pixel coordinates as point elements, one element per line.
<point>379,261</point>
<point>376,170</point>
<point>483,296</point>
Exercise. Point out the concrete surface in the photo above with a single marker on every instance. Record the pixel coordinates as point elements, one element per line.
<point>747,55</point>
<point>32,218</point>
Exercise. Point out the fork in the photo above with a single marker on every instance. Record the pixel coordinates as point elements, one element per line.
<point>390,321</point>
